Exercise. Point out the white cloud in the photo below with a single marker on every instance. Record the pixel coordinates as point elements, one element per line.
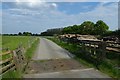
<point>47,16</point>
<point>108,13</point>
<point>35,4</point>
<point>29,4</point>
<point>53,4</point>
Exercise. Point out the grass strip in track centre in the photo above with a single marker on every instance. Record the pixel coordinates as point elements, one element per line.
<point>104,67</point>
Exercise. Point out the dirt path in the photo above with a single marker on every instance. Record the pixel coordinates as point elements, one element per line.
<point>52,61</point>
<point>49,50</point>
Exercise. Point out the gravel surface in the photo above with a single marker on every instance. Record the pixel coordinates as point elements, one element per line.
<point>53,65</point>
<point>49,50</point>
<point>52,61</point>
<point>80,73</point>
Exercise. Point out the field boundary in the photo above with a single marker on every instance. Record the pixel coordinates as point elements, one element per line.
<point>16,61</point>
<point>94,51</point>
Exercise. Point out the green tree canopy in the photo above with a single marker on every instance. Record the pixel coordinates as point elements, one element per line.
<point>101,27</point>
<point>87,27</point>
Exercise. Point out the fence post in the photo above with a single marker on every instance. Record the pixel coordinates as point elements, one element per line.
<point>22,55</point>
<point>15,60</point>
<point>102,48</point>
<point>90,47</point>
<point>83,47</point>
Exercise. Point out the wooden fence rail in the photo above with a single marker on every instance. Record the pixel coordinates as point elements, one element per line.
<point>16,60</point>
<point>111,46</point>
<point>94,51</point>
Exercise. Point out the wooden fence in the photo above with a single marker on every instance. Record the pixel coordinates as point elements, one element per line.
<point>111,46</point>
<point>14,60</point>
<point>94,51</point>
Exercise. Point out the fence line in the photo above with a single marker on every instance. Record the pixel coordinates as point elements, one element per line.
<point>16,60</point>
<point>94,51</point>
<point>110,46</point>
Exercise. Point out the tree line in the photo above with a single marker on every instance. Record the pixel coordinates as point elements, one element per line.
<point>22,34</point>
<point>86,28</point>
<point>51,32</point>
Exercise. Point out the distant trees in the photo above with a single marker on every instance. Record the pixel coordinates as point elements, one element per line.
<point>22,34</point>
<point>113,33</point>
<point>71,29</point>
<point>27,34</point>
<point>9,34</point>
<point>117,32</point>
<point>100,27</point>
<point>87,27</point>
<point>51,32</point>
<point>19,33</point>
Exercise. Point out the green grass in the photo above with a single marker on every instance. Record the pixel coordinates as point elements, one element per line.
<point>0,41</point>
<point>109,69</point>
<point>12,74</point>
<point>74,49</point>
<point>31,50</point>
<point>107,66</point>
<point>12,42</point>
<point>28,55</point>
<point>0,46</point>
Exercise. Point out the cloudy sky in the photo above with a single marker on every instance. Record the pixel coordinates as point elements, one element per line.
<point>36,16</point>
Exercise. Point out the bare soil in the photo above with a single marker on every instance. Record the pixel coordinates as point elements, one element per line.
<point>52,65</point>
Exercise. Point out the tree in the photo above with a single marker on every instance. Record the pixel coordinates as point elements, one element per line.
<point>67,30</point>
<point>101,27</point>
<point>87,27</point>
<point>51,32</point>
<point>19,33</point>
<point>74,29</point>
<point>27,34</point>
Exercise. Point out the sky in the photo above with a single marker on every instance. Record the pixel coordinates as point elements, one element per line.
<point>36,17</point>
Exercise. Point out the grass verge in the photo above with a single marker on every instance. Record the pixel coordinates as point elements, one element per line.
<point>31,50</point>
<point>11,74</point>
<point>72,48</point>
<point>104,67</point>
<point>28,56</point>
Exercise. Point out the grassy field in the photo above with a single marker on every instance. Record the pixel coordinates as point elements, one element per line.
<point>0,46</point>
<point>0,39</point>
<point>12,42</point>
<point>28,55</point>
<point>107,66</point>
